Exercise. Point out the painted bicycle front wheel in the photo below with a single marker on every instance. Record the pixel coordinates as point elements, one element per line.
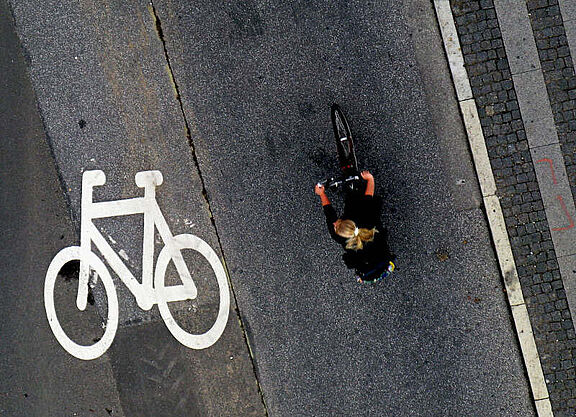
<point>195,335</point>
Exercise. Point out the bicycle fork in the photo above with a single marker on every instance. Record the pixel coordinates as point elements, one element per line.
<point>153,217</point>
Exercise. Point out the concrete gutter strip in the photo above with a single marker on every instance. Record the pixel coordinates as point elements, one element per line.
<point>544,408</point>
<point>493,208</point>
<point>478,146</point>
<point>504,250</point>
<point>452,46</point>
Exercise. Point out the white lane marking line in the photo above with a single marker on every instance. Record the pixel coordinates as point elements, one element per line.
<point>494,212</point>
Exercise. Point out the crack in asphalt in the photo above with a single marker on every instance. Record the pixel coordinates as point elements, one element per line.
<point>160,33</point>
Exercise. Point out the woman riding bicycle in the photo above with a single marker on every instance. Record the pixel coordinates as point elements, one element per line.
<point>360,232</point>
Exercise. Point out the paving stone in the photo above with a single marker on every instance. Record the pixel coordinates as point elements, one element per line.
<point>513,167</point>
<point>514,26</point>
<point>535,108</point>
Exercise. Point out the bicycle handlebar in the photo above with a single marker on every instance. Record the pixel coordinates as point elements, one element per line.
<point>335,183</point>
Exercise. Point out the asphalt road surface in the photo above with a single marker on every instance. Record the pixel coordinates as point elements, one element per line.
<point>230,100</point>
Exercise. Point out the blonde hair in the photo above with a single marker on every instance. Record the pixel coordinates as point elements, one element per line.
<point>347,229</point>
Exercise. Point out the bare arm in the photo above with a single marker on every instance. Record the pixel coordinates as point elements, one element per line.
<point>370,182</point>
<point>319,190</point>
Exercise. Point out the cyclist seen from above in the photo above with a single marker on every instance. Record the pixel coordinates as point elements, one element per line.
<point>360,232</point>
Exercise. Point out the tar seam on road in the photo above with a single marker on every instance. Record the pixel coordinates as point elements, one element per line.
<point>493,208</point>
<point>160,33</point>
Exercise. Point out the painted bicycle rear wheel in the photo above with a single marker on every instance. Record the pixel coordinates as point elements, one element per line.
<point>100,345</point>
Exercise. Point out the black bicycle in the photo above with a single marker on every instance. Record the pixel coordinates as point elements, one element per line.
<point>350,175</point>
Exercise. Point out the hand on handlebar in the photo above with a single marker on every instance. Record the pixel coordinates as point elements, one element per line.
<point>319,189</point>
<point>366,175</point>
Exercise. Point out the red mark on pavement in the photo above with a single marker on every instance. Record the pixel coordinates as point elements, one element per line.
<point>551,168</point>
<point>557,229</point>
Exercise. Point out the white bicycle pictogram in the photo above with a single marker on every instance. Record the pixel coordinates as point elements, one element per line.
<point>152,290</point>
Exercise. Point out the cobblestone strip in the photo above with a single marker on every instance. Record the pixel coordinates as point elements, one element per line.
<point>541,133</point>
<point>556,39</point>
<point>554,27</point>
<point>493,208</point>
<point>568,11</point>
<point>493,88</point>
<point>486,62</point>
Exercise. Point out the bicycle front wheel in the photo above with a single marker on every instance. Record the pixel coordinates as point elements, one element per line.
<point>85,352</point>
<point>186,337</point>
<point>344,141</point>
